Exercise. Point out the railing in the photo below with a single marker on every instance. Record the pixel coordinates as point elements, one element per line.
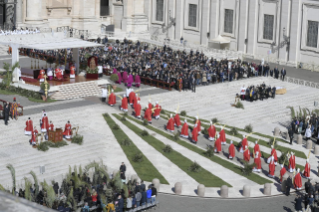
<point>302,82</point>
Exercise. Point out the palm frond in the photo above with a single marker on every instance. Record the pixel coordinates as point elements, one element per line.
<point>13,175</point>
<point>36,182</point>
<point>28,185</point>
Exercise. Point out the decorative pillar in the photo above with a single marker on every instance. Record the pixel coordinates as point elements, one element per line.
<point>34,11</point>
<point>15,54</point>
<point>134,19</point>
<point>76,59</point>
<point>19,13</point>
<point>9,13</point>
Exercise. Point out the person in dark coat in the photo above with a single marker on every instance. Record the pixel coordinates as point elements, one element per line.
<point>288,185</point>
<point>6,113</point>
<point>298,202</point>
<point>291,135</point>
<point>122,170</point>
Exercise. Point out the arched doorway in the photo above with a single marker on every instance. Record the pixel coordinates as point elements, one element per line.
<point>2,15</point>
<point>104,8</point>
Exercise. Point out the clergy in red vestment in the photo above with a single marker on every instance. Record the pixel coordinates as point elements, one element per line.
<point>150,105</point>
<point>244,143</point>
<point>137,110</point>
<point>131,97</point>
<point>67,131</point>
<point>195,135</point>
<point>157,111</point>
<point>198,125</point>
<point>72,72</point>
<point>292,163</point>
<point>148,114</point>
<point>211,132</point>
<point>112,99</point>
<point>34,134</point>
<point>41,75</point>
<point>51,126</point>
<point>136,99</point>
<point>45,123</point>
<point>124,105</point>
<point>297,180</point>
<point>257,161</point>
<point>256,147</point>
<point>247,154</point>
<point>184,132</point>
<point>272,167</point>
<point>306,172</point>
<point>58,74</point>
<point>218,144</point>
<point>29,127</point>
<point>170,124</point>
<point>222,137</point>
<point>282,171</point>
<point>231,150</point>
<point>177,121</point>
<point>274,154</point>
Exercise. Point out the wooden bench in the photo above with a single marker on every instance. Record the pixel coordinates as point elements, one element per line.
<point>156,83</point>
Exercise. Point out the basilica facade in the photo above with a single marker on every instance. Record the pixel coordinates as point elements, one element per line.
<point>285,31</point>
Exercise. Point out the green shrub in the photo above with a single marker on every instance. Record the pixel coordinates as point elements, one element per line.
<point>114,77</point>
<point>283,158</point>
<point>234,131</point>
<point>126,142</point>
<point>115,127</point>
<point>144,133</point>
<point>183,113</point>
<point>167,149</point>
<point>205,131</point>
<point>195,167</point>
<point>239,105</point>
<point>43,146</point>
<point>176,136</point>
<point>215,120</point>
<point>247,169</point>
<point>209,151</point>
<point>162,112</point>
<point>77,139</point>
<point>145,122</point>
<point>248,128</point>
<point>42,86</point>
<point>138,157</point>
<point>57,144</point>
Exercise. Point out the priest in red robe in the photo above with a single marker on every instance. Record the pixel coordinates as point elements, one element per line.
<point>184,132</point>
<point>292,163</point>
<point>211,132</point>
<point>170,124</point>
<point>274,154</point>
<point>112,99</point>
<point>231,150</point>
<point>29,127</point>
<point>256,147</point>
<point>150,105</point>
<point>34,134</point>
<point>51,126</point>
<point>244,143</point>
<point>222,136</point>
<point>195,135</point>
<point>67,131</point>
<point>272,167</point>
<point>282,171</point>
<point>257,161</point>
<point>157,111</point>
<point>41,75</point>
<point>45,123</point>
<point>218,144</point>
<point>131,97</point>
<point>72,72</point>
<point>136,99</point>
<point>148,114</point>
<point>177,121</point>
<point>58,74</point>
<point>306,172</point>
<point>124,105</point>
<point>297,180</point>
<point>137,110</point>
<point>247,154</point>
<point>198,125</point>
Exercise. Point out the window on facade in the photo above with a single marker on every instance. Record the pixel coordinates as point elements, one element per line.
<point>192,15</point>
<point>312,34</point>
<point>228,22</point>
<point>159,10</point>
<point>104,8</point>
<point>268,27</point>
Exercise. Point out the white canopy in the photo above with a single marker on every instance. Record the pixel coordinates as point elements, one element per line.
<point>221,40</point>
<point>45,41</point>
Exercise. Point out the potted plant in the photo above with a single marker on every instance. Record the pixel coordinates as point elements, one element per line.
<point>92,73</point>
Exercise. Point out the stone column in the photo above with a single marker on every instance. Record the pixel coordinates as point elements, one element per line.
<point>34,11</point>
<point>252,26</point>
<point>284,24</point>
<point>134,19</point>
<point>295,37</point>
<point>77,60</point>
<point>15,54</point>
<point>204,19</point>
<point>19,13</point>
<point>242,34</point>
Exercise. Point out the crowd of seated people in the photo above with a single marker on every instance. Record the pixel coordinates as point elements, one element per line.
<point>259,92</point>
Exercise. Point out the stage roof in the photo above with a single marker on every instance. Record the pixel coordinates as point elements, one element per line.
<point>45,41</point>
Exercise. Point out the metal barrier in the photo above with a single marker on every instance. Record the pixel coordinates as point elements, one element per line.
<point>302,82</point>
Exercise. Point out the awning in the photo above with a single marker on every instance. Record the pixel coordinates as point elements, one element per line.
<point>221,40</point>
<point>45,41</point>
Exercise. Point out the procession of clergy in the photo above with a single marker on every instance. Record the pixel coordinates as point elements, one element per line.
<point>151,112</point>
<point>45,126</point>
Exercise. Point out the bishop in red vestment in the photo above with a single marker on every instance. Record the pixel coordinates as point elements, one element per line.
<point>306,172</point>
<point>231,150</point>
<point>51,126</point>
<point>34,134</point>
<point>170,124</point>
<point>148,115</point>
<point>41,75</point>
<point>184,132</point>
<point>136,100</point>
<point>272,167</point>
<point>137,110</point>
<point>244,143</point>
<point>29,127</point>
<point>274,154</point>
<point>124,105</point>
<point>112,99</point>
<point>282,172</point>
<point>247,154</point>
<point>131,97</point>
<point>195,135</point>
<point>157,111</point>
<point>257,161</point>
<point>45,123</point>
<point>292,163</point>
<point>150,105</point>
<point>177,121</point>
<point>256,147</point>
<point>211,132</point>
<point>67,131</point>
<point>198,125</point>
<point>218,145</point>
<point>297,180</point>
<point>222,136</point>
